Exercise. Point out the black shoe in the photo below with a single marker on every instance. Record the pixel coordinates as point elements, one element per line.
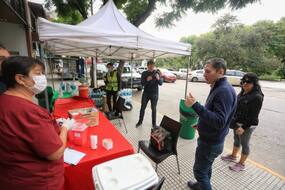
<point>138,124</point>
<point>193,185</point>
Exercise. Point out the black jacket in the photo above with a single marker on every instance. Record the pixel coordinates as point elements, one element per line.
<point>151,86</point>
<point>248,108</point>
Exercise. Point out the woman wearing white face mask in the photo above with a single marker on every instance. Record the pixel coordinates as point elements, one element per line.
<point>31,143</point>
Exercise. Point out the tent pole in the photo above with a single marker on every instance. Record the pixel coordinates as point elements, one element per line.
<point>132,58</point>
<point>95,71</point>
<point>96,58</point>
<point>42,59</point>
<point>186,85</point>
<point>51,67</point>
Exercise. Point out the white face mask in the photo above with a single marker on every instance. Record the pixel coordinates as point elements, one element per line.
<point>40,84</point>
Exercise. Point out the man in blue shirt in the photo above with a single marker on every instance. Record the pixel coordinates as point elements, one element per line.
<point>214,121</point>
<point>150,80</point>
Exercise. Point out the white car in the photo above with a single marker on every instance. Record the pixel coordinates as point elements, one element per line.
<point>234,77</point>
<point>141,69</point>
<point>197,76</point>
<point>181,73</point>
<point>131,78</point>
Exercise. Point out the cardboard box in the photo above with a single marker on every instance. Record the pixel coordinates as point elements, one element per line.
<point>89,115</point>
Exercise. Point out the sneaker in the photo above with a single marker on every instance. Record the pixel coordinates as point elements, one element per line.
<point>138,124</point>
<point>193,185</point>
<point>229,158</point>
<point>237,167</point>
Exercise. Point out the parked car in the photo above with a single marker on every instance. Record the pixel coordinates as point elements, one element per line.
<point>167,75</point>
<point>234,77</point>
<point>197,76</point>
<point>141,69</point>
<point>181,73</point>
<point>131,78</point>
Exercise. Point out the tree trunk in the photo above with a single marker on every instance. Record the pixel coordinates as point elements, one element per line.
<point>145,14</point>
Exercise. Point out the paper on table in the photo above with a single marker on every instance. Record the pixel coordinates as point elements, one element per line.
<point>72,157</point>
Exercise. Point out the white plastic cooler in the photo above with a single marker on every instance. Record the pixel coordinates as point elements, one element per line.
<point>133,172</point>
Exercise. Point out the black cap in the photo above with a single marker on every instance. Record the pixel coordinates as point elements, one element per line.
<point>250,78</point>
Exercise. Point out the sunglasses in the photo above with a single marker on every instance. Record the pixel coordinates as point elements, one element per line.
<point>242,81</point>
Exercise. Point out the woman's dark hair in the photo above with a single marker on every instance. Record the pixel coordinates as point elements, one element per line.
<point>253,78</point>
<point>17,65</point>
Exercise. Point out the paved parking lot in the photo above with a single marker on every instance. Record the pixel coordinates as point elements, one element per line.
<point>268,146</point>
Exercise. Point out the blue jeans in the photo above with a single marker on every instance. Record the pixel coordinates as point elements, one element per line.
<point>153,97</point>
<point>204,159</point>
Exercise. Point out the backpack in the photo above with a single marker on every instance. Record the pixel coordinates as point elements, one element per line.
<point>161,139</point>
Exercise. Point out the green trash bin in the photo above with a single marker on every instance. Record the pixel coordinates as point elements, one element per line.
<point>41,97</point>
<point>188,119</point>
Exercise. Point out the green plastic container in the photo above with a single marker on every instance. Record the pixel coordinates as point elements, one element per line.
<point>188,119</point>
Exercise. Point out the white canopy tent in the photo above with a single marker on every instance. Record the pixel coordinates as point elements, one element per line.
<point>107,34</point>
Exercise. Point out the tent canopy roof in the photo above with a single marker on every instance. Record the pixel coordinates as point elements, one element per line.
<point>107,34</point>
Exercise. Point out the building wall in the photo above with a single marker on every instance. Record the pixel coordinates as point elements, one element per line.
<point>13,37</point>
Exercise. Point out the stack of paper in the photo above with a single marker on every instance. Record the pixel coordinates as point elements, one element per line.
<point>72,157</point>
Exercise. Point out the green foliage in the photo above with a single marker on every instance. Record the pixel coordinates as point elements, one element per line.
<point>66,8</point>
<point>280,71</point>
<point>137,11</point>
<point>269,77</point>
<point>249,48</point>
<point>73,19</point>
<point>174,63</point>
<point>134,8</point>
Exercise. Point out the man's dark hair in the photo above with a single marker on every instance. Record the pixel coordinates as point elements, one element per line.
<point>218,63</point>
<point>150,62</point>
<point>17,65</point>
<point>110,64</point>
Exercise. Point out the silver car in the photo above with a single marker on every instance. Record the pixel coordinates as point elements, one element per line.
<point>234,77</point>
<point>197,76</point>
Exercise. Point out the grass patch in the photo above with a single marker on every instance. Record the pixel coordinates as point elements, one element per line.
<point>270,77</point>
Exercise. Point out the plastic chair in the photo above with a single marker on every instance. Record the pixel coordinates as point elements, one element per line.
<point>118,115</point>
<point>174,128</point>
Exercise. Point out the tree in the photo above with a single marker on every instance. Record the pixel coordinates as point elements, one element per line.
<point>137,11</point>
<point>257,48</point>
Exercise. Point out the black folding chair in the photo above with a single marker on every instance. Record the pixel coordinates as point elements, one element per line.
<point>118,115</point>
<point>174,128</point>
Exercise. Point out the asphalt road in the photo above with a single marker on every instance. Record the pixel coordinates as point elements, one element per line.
<point>268,140</point>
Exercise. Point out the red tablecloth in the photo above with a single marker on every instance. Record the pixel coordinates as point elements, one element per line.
<point>80,176</point>
<point>62,105</point>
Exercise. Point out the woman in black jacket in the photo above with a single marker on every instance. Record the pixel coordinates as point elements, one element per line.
<point>249,104</point>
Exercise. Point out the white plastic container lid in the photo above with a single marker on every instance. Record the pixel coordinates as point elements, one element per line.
<point>125,173</point>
